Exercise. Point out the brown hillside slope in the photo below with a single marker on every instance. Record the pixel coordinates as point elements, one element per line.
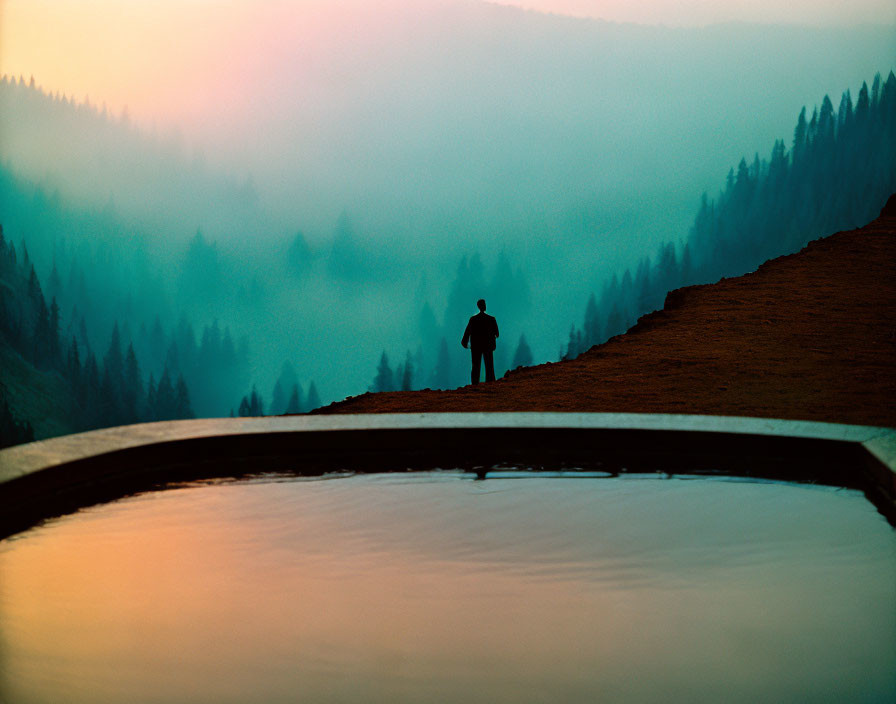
<point>808,336</point>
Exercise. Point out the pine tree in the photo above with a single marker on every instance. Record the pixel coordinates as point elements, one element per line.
<point>687,266</point>
<point>313,399</point>
<point>166,403</point>
<point>298,256</point>
<point>278,399</point>
<point>256,405</point>
<point>442,371</point>
<point>156,344</point>
<point>667,276</point>
<point>182,406</point>
<point>112,383</point>
<point>114,360</point>
<point>54,285</point>
<point>151,399</point>
<point>407,373</point>
<point>172,358</point>
<point>384,379</point>
<point>844,113</point>
<point>92,409</point>
<point>523,355</point>
<point>295,403</point>
<point>573,344</point>
<point>53,335</point>
<point>132,389</point>
<point>12,431</point>
<point>40,346</point>
<point>615,323</point>
<point>875,91</point>
<point>419,364</point>
<point>591,329</point>
<point>73,370</point>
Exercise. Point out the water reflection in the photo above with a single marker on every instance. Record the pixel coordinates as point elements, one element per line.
<point>432,587</point>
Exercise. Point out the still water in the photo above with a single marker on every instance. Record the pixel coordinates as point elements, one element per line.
<point>433,587</point>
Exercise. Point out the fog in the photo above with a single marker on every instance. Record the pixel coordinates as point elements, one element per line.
<point>346,167</point>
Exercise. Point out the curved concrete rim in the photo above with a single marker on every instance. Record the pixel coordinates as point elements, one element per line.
<point>849,455</point>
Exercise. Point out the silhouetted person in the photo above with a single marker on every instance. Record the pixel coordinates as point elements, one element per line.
<point>481,332</point>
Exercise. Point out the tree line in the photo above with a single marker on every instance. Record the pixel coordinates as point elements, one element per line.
<point>107,389</point>
<point>141,376</point>
<point>288,396</point>
<point>838,172</point>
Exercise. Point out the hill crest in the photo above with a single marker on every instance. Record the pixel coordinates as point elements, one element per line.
<point>808,336</point>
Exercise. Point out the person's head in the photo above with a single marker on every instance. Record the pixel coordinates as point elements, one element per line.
<point>481,304</point>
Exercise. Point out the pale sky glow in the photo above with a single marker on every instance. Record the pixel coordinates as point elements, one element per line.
<point>164,59</point>
<point>148,56</point>
<point>703,12</point>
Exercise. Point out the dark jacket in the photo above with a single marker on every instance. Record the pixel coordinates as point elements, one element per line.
<point>481,332</point>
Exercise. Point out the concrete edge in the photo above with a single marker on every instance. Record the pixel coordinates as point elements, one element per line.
<point>23,459</point>
<point>130,456</point>
<point>881,467</point>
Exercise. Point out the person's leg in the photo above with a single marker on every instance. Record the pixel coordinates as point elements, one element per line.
<point>477,359</point>
<point>489,365</point>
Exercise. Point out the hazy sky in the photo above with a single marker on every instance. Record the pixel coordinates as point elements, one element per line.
<point>702,12</point>
<point>159,57</point>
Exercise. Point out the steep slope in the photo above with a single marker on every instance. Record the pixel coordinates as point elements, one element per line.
<point>808,336</point>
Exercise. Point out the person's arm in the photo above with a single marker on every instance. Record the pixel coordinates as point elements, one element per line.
<point>466,336</point>
<point>497,334</point>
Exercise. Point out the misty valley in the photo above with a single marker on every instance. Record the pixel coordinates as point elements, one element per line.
<point>335,239</point>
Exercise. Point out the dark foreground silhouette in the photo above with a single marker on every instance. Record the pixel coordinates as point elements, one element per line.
<point>481,333</point>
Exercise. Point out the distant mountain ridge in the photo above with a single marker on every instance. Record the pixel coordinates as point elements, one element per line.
<point>96,159</point>
<point>448,110</point>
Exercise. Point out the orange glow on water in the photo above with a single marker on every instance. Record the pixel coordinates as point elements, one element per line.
<point>392,589</point>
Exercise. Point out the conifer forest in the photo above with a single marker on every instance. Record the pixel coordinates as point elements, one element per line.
<point>148,275</point>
